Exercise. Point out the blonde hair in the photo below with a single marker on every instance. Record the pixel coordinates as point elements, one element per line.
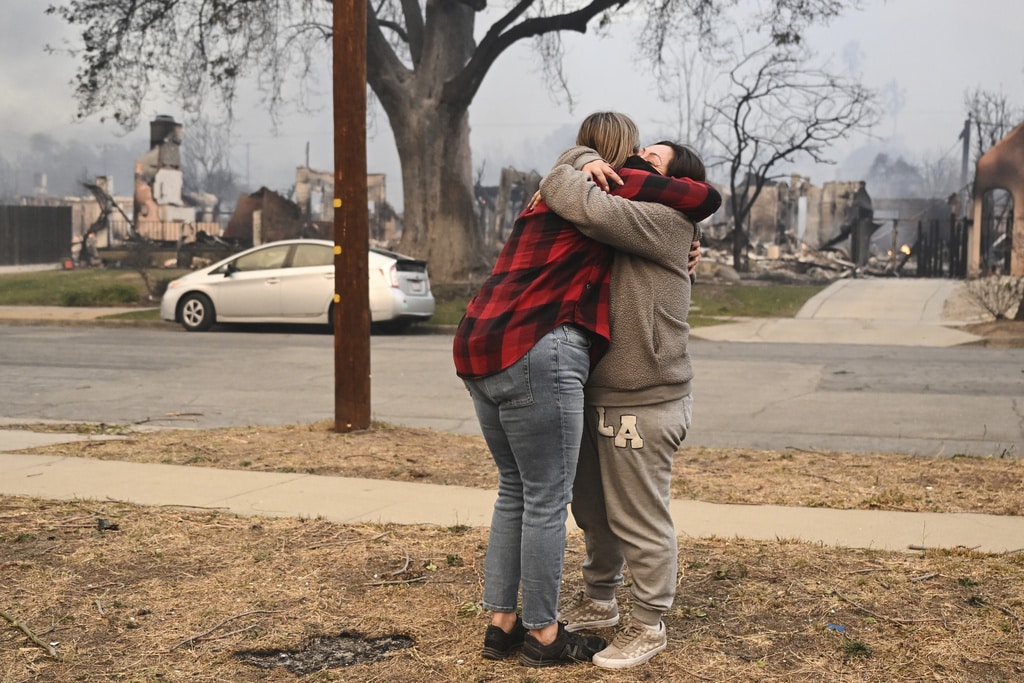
<point>614,136</point>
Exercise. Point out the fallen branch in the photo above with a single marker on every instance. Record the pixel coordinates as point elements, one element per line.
<point>197,447</point>
<point>399,572</point>
<point>876,615</point>
<point>925,577</point>
<point>331,544</point>
<point>31,636</point>
<point>233,633</point>
<point>207,632</point>
<point>1004,610</point>
<point>167,416</point>
<point>418,579</point>
<point>805,450</point>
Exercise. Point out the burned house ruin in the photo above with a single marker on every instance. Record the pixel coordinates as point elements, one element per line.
<point>996,237</point>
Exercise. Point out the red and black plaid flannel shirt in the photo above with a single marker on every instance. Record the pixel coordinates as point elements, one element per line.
<point>549,273</point>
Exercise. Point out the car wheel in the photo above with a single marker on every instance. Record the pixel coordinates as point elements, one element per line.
<point>329,328</point>
<point>197,312</point>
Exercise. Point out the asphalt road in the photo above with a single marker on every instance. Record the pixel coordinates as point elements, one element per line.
<point>862,398</point>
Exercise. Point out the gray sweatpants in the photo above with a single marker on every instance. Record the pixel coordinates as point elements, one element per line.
<point>621,501</point>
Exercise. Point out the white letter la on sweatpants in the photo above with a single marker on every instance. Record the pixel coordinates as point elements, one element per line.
<point>627,435</point>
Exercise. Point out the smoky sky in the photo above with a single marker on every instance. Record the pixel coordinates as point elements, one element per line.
<point>923,54</point>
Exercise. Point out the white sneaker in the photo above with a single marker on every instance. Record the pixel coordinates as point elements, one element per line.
<point>583,612</point>
<point>633,645</point>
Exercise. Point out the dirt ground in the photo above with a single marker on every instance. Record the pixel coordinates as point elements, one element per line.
<point>128,593</point>
<point>164,594</point>
<point>999,334</point>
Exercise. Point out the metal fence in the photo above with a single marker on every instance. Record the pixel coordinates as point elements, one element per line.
<point>941,248</point>
<point>119,231</point>
<point>34,234</point>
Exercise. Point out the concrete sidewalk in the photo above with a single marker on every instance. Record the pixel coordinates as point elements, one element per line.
<point>347,500</point>
<point>885,312</point>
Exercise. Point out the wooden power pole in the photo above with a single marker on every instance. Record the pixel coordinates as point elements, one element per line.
<point>351,221</point>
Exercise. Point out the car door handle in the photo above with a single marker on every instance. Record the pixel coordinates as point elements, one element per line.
<point>273,280</point>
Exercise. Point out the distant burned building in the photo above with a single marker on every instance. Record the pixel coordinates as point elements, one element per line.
<point>816,216</point>
<point>314,195</point>
<point>515,189</point>
<point>160,210</point>
<point>266,216</point>
<point>996,238</point>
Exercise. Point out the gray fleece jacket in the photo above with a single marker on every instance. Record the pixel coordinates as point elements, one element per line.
<point>647,361</point>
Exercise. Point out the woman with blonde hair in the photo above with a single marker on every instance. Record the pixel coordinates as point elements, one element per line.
<point>524,350</point>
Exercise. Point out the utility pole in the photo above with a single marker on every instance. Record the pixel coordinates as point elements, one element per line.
<point>965,135</point>
<point>351,221</point>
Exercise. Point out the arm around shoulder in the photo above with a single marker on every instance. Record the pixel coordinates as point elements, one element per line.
<point>653,231</point>
<point>577,157</point>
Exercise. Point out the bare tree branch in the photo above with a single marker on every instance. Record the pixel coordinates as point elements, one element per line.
<point>778,107</point>
<point>423,64</point>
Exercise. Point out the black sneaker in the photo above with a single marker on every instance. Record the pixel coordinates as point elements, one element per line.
<point>498,644</point>
<point>565,648</point>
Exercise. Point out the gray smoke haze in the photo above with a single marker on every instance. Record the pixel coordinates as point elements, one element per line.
<point>26,160</point>
<point>922,55</point>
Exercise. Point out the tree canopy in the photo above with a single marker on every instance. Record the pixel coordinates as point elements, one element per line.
<point>425,63</point>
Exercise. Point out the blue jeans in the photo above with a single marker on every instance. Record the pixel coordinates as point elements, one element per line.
<point>531,415</point>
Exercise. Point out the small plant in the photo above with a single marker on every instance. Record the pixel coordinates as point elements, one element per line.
<point>470,609</point>
<point>1000,295</point>
<point>856,648</point>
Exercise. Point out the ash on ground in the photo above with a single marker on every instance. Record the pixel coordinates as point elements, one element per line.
<point>327,652</point>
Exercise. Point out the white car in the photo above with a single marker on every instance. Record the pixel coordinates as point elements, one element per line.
<point>292,281</point>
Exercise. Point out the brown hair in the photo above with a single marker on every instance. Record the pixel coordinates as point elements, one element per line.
<point>686,162</point>
<point>614,136</point>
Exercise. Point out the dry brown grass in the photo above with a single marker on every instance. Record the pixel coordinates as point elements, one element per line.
<point>174,594</point>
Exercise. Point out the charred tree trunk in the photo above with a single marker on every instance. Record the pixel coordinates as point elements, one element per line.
<point>428,108</point>
<point>439,222</point>
<point>739,249</point>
